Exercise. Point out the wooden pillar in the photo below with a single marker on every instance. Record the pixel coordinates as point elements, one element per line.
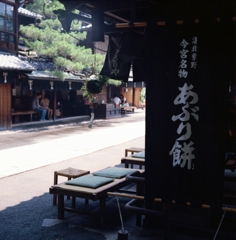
<point>5,106</point>
<point>54,105</point>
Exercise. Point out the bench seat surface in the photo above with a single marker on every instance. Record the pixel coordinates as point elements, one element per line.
<point>23,112</point>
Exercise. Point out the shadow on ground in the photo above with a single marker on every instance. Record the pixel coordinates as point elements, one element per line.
<point>24,221</point>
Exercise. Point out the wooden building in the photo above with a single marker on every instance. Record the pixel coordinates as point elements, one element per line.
<point>10,65</point>
<point>22,77</point>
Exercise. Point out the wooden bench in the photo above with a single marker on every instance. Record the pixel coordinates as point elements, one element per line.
<point>127,161</point>
<point>69,173</point>
<point>124,110</point>
<point>231,164</point>
<point>98,193</point>
<point>18,113</point>
<point>133,161</point>
<point>133,150</point>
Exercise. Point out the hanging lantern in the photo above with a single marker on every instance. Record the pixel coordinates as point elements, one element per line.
<point>51,83</point>
<point>70,85</point>
<point>30,82</point>
<point>126,87</point>
<point>5,74</point>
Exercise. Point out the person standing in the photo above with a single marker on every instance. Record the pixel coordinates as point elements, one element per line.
<point>91,114</point>
<point>38,108</point>
<point>86,105</point>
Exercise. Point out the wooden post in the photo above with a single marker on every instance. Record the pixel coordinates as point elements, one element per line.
<point>54,105</point>
<point>5,106</point>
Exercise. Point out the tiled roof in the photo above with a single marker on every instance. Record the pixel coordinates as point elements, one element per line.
<point>44,66</point>
<point>39,63</point>
<point>27,13</point>
<point>41,75</point>
<point>11,62</point>
<point>23,48</point>
<point>45,75</point>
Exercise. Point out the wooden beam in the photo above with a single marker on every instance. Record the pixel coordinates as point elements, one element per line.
<point>159,23</point>
<point>205,206</point>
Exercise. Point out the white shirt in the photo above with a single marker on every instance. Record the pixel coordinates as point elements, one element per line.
<point>116,100</point>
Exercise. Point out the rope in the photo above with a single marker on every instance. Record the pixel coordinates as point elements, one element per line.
<point>220,223</point>
<point>122,224</point>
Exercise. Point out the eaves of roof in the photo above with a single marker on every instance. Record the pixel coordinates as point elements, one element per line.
<point>47,75</point>
<point>12,62</point>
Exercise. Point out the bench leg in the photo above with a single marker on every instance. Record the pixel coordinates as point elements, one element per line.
<point>140,191</point>
<point>55,195</point>
<point>131,165</point>
<point>60,206</point>
<point>73,202</point>
<point>68,197</point>
<point>102,210</point>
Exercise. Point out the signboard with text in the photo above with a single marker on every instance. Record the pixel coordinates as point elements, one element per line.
<point>188,75</point>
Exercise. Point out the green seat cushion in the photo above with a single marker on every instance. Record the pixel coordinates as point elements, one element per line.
<point>89,181</point>
<point>113,172</point>
<point>139,154</point>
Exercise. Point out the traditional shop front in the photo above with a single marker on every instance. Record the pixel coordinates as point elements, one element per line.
<point>64,95</point>
<point>130,90</point>
<point>11,66</point>
<point>66,98</point>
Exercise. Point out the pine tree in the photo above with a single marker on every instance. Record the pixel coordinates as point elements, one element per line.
<point>47,38</point>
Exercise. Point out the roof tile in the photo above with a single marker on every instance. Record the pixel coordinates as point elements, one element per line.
<point>11,62</point>
<point>27,13</point>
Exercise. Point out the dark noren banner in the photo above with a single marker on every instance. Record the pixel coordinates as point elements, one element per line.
<point>124,49</point>
<point>188,70</point>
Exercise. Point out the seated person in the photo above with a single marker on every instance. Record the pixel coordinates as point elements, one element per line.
<point>38,108</point>
<point>116,101</point>
<point>45,103</point>
<point>122,99</point>
<point>125,104</point>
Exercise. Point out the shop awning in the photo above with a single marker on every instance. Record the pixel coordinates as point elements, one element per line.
<point>45,80</point>
<point>47,75</point>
